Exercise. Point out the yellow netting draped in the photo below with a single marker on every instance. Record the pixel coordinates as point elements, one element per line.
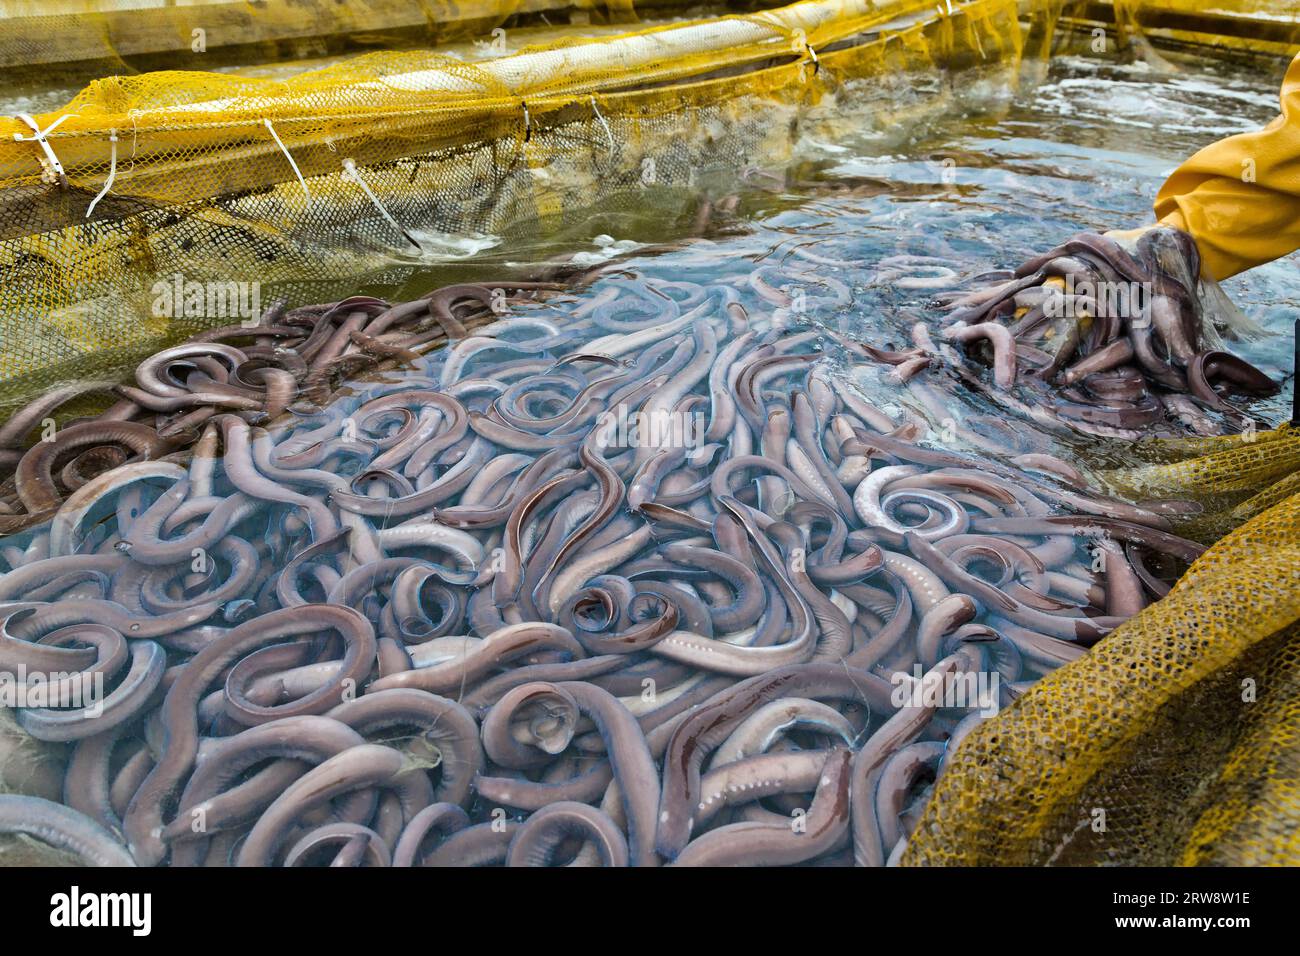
<point>1176,740</point>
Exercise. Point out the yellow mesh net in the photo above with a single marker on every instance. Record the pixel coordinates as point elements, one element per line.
<point>1232,479</point>
<point>198,177</point>
<point>1175,740</point>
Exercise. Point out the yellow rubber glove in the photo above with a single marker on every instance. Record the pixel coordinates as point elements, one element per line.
<point>1240,198</point>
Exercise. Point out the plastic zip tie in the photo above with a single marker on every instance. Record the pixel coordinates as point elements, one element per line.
<point>354,174</point>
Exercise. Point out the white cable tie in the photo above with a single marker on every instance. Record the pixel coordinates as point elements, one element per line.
<point>354,174</point>
<point>289,156</point>
<point>38,137</point>
<point>112,173</point>
<point>608,133</point>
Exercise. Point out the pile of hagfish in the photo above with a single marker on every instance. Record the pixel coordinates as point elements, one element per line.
<point>1091,336</point>
<point>631,577</point>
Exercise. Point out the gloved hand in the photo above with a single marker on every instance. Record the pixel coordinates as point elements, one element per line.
<point>1114,322</point>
